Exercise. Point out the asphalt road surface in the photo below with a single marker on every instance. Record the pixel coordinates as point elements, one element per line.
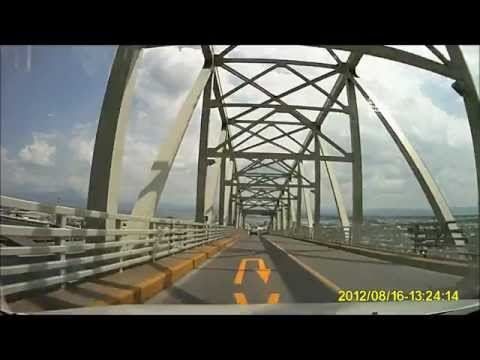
<point>272,269</point>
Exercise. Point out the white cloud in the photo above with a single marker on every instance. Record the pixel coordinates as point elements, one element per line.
<point>165,76</point>
<point>81,142</point>
<point>40,152</point>
<point>89,55</point>
<point>54,162</point>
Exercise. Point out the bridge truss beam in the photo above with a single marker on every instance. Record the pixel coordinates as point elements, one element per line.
<point>286,163</point>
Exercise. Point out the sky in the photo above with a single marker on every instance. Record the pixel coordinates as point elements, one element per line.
<point>51,98</point>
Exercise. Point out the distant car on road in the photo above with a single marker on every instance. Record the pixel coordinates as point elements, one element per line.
<point>257,230</point>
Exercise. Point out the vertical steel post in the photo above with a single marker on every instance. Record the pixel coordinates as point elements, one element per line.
<point>212,184</point>
<point>337,195</point>
<point>308,203</point>
<point>227,190</point>
<point>299,199</point>
<point>62,222</point>
<point>293,215</point>
<point>279,216</point>
<point>202,153</point>
<point>238,212</point>
<point>235,211</point>
<point>357,178</point>
<point>221,198</point>
<point>317,193</point>
<point>231,204</point>
<point>290,217</point>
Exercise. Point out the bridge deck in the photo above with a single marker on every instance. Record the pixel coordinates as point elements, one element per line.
<point>313,276</point>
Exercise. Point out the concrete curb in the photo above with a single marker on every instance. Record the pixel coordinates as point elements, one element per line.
<point>152,285</point>
<point>449,267</point>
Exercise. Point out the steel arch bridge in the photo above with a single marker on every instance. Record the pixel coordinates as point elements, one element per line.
<point>271,183</point>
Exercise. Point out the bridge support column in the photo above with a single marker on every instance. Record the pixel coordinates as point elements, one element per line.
<point>227,190</point>
<point>424,178</point>
<point>317,193</point>
<point>202,167</point>
<point>308,203</point>
<point>106,168</point>
<point>298,221</point>
<point>337,195</point>
<point>235,208</point>
<point>221,193</point>
<point>293,213</point>
<point>232,206</point>
<point>284,217</point>
<point>279,218</point>
<point>356,149</point>
<point>238,214</point>
<point>211,186</point>
<point>288,208</point>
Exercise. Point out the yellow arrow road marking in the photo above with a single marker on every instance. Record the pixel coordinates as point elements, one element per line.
<point>262,271</point>
<point>241,299</point>
<point>273,298</point>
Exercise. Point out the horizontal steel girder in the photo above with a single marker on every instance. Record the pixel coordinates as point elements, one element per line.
<point>266,175</point>
<point>279,108</point>
<point>246,198</point>
<point>259,212</point>
<point>278,186</point>
<point>275,156</point>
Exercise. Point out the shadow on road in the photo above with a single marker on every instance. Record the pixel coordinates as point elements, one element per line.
<point>184,296</point>
<point>303,286</point>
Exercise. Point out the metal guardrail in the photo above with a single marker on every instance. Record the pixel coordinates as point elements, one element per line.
<point>380,237</point>
<point>74,254</point>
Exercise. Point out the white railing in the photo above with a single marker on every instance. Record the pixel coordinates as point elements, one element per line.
<point>67,255</point>
<point>384,238</point>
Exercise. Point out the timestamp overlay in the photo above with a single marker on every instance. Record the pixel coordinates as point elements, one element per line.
<point>380,295</point>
